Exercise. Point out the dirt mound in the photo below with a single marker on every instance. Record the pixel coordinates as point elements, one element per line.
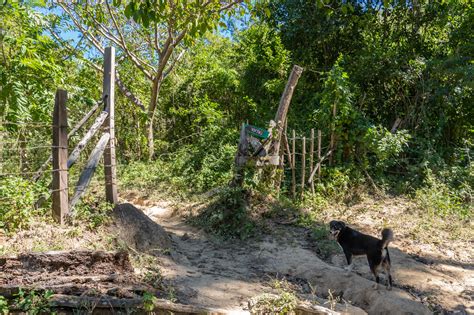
<point>139,231</point>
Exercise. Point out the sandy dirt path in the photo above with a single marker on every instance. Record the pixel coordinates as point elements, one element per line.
<point>224,275</point>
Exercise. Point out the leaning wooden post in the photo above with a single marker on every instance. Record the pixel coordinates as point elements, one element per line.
<point>109,126</point>
<point>303,165</point>
<point>311,158</point>
<point>280,117</point>
<point>293,165</point>
<point>319,154</point>
<point>241,158</point>
<point>60,172</point>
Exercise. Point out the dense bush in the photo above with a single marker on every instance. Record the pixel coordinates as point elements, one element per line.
<point>17,198</point>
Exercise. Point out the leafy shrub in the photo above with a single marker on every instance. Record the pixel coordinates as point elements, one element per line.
<point>17,198</point>
<point>437,198</point>
<point>386,145</point>
<point>227,216</point>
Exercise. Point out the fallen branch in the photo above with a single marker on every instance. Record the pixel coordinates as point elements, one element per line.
<point>318,165</point>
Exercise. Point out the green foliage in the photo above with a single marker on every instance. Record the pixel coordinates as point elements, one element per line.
<point>227,216</point>
<point>17,198</point>
<point>437,198</point>
<point>93,212</point>
<point>3,306</point>
<point>34,302</point>
<point>385,145</point>
<point>149,301</point>
<point>195,17</point>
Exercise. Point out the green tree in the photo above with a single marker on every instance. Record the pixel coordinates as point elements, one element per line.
<point>152,35</point>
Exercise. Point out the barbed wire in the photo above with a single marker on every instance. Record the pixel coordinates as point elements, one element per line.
<point>26,124</point>
<point>35,148</point>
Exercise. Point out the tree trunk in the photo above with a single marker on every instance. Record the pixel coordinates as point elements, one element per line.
<point>151,116</point>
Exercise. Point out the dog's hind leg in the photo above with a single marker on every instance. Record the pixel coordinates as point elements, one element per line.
<point>374,267</point>
<point>377,278</point>
<point>386,267</point>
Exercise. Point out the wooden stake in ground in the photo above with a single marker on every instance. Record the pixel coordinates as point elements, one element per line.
<point>60,172</point>
<point>332,141</point>
<point>241,158</point>
<point>311,157</point>
<point>293,165</point>
<point>303,165</point>
<point>109,126</point>
<point>319,154</point>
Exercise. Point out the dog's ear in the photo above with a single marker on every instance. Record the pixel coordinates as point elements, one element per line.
<point>341,225</point>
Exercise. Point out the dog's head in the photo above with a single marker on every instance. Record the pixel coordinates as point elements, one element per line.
<point>335,227</point>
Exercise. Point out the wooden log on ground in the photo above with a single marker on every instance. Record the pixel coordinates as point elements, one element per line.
<point>88,172</point>
<point>161,306</point>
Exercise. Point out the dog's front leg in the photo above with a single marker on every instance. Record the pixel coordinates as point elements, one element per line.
<point>350,263</point>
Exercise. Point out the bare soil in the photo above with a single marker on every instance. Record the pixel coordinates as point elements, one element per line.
<point>225,275</point>
<point>208,273</point>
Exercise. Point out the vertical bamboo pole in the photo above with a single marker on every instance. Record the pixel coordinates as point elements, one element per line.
<point>311,158</point>
<point>60,172</point>
<point>319,154</point>
<point>333,135</point>
<point>293,166</point>
<point>109,153</point>
<point>303,166</point>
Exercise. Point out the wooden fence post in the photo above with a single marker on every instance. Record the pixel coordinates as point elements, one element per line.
<point>319,154</point>
<point>109,126</point>
<point>59,153</point>
<point>293,165</point>
<point>303,165</point>
<point>311,158</point>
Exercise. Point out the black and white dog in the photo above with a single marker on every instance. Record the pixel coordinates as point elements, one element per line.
<point>356,243</point>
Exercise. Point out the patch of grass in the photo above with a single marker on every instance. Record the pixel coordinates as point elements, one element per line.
<point>438,199</point>
<point>283,303</point>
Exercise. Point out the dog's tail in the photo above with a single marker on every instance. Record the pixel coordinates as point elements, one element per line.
<point>387,237</point>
